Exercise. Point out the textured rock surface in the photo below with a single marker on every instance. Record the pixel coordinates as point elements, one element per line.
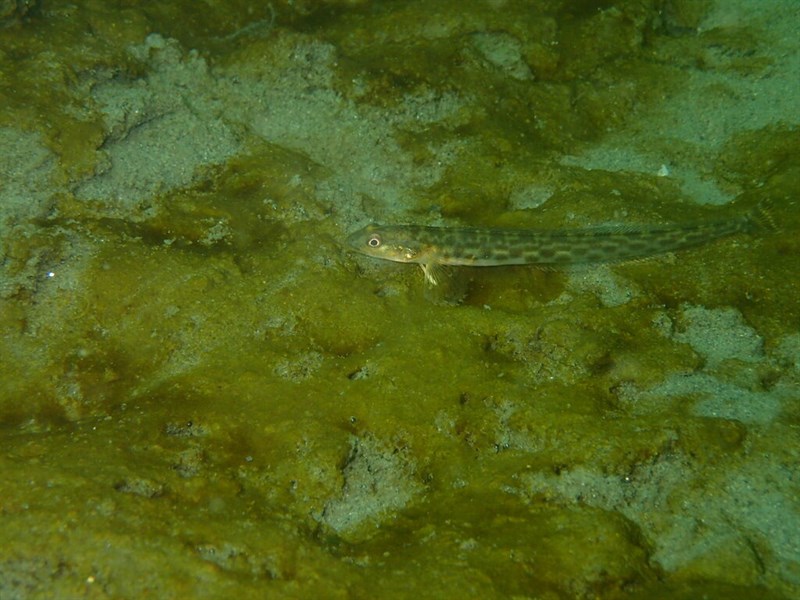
<point>204,394</point>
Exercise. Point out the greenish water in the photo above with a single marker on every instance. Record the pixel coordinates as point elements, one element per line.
<point>206,394</point>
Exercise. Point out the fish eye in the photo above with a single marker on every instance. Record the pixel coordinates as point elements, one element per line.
<point>374,241</point>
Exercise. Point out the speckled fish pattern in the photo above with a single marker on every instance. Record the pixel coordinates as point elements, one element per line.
<point>478,247</point>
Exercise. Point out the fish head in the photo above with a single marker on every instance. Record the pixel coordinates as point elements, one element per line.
<point>389,243</point>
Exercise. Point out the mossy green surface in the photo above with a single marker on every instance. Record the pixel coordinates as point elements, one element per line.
<point>205,394</point>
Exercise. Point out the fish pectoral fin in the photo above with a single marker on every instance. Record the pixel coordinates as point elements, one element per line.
<point>432,272</point>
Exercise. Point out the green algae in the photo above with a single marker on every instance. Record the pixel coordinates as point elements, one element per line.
<point>224,396</point>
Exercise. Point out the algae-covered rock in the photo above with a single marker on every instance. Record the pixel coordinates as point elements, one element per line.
<point>205,394</point>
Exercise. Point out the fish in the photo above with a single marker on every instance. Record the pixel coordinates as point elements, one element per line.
<point>433,247</point>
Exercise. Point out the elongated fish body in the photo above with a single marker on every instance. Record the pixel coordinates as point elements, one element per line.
<point>478,247</point>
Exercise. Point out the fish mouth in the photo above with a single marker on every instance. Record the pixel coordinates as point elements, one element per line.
<point>354,239</point>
